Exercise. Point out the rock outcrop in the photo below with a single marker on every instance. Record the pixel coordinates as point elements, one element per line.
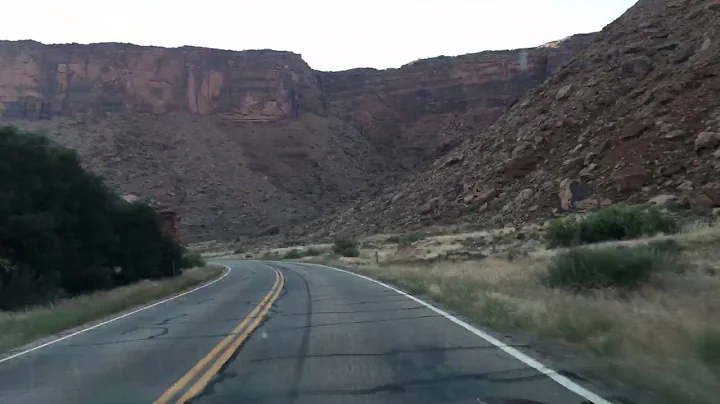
<point>634,115</point>
<point>242,142</point>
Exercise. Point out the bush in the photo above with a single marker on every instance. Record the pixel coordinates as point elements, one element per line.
<point>346,248</point>
<point>311,252</point>
<point>295,253</point>
<point>619,222</point>
<point>62,231</point>
<point>626,267</point>
<point>192,259</point>
<point>292,254</point>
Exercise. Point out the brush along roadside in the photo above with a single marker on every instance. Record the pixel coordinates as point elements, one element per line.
<point>20,327</point>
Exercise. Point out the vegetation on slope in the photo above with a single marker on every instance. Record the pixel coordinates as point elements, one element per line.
<point>63,232</point>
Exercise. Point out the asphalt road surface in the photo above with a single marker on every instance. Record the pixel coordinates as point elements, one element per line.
<point>284,333</point>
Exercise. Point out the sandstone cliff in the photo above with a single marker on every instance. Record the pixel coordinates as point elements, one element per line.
<point>255,141</point>
<point>634,115</point>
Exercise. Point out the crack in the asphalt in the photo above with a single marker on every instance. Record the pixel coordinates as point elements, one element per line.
<point>357,311</point>
<point>169,319</point>
<point>392,299</point>
<point>388,353</point>
<point>400,387</point>
<point>498,376</point>
<point>339,292</point>
<point>210,299</point>
<point>163,331</point>
<point>336,297</point>
<point>357,322</point>
<point>303,327</point>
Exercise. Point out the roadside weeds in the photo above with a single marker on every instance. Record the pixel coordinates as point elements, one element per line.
<point>21,327</point>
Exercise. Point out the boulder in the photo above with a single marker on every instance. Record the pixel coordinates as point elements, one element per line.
<point>631,182</point>
<point>587,204</point>
<point>564,92</point>
<point>633,130</point>
<point>663,200</point>
<point>587,172</point>
<point>707,140</point>
<point>523,196</point>
<point>487,195</point>
<point>712,190</point>
<point>698,200</point>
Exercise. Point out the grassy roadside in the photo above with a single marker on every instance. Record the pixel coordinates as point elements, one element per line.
<point>661,338</point>
<point>17,328</point>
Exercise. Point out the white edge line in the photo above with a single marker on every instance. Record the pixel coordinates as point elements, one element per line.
<point>558,378</point>
<point>55,341</point>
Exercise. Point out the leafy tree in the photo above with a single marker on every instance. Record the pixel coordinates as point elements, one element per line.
<point>63,231</point>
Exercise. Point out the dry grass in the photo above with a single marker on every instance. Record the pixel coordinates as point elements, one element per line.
<point>663,338</point>
<point>21,327</point>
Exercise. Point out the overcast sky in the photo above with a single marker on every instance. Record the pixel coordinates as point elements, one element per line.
<point>331,35</point>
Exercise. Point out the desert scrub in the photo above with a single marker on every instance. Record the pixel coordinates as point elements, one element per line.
<point>626,267</point>
<point>621,222</point>
<point>346,247</point>
<point>296,253</point>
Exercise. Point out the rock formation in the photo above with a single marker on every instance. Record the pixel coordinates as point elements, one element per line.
<point>633,116</point>
<point>251,142</point>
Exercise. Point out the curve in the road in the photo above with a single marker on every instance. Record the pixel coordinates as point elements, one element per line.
<point>224,350</point>
<point>307,334</point>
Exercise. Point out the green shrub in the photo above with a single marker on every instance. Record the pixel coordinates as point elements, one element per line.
<point>292,254</point>
<point>708,347</point>
<point>584,267</point>
<point>295,253</point>
<point>192,259</point>
<point>562,232</point>
<point>311,252</point>
<point>346,248</point>
<point>619,222</point>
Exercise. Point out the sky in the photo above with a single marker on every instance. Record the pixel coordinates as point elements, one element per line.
<point>330,35</point>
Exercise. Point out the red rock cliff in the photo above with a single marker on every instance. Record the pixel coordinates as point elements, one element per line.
<point>119,78</point>
<point>254,141</point>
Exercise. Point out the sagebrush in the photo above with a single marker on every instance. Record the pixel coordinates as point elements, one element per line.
<point>625,267</point>
<point>346,247</point>
<point>620,222</point>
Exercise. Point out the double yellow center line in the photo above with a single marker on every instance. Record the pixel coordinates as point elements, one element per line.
<point>223,351</point>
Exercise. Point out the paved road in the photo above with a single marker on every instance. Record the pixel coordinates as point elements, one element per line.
<point>313,335</point>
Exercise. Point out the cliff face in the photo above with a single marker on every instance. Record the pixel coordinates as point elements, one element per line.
<point>635,117</point>
<point>413,113</point>
<point>250,86</point>
<point>285,143</point>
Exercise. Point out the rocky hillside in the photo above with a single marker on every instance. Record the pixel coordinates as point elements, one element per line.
<point>253,142</point>
<point>635,115</point>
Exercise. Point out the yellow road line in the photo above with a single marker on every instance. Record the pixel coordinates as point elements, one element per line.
<point>185,379</point>
<point>215,368</point>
